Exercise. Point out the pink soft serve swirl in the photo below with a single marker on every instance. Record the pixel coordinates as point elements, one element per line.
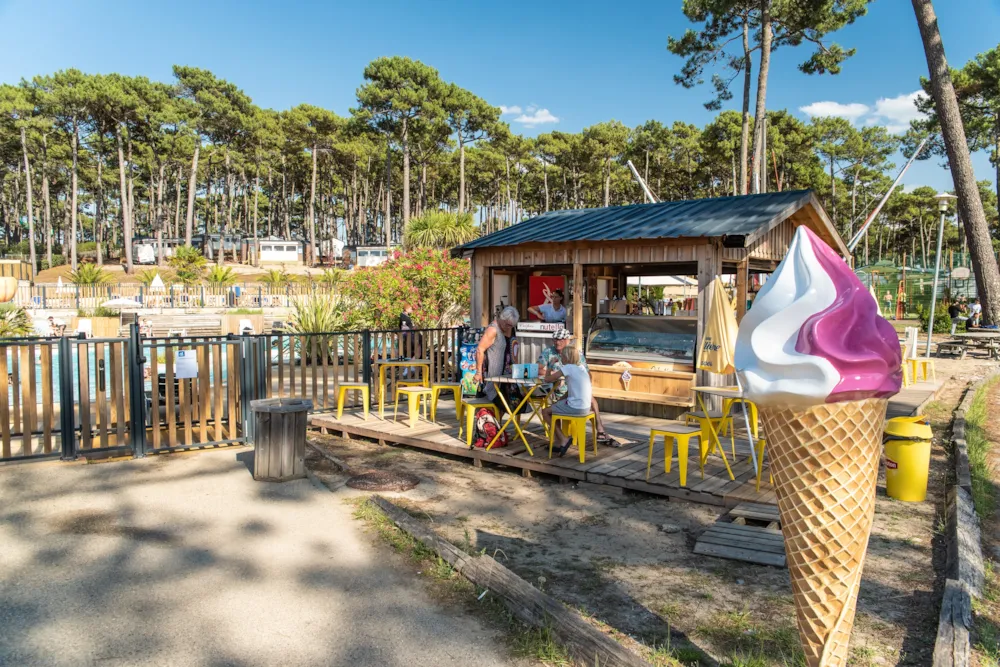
<point>851,335</point>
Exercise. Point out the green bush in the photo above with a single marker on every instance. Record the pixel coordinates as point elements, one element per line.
<point>57,260</point>
<point>100,311</point>
<point>942,323</point>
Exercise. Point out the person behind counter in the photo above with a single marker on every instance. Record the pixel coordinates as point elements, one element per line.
<point>493,352</point>
<point>551,360</point>
<point>579,395</point>
<point>551,312</point>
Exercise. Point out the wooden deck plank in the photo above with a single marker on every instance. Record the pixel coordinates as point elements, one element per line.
<point>755,511</point>
<point>734,553</point>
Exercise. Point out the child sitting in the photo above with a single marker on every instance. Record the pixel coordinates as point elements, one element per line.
<point>578,397</point>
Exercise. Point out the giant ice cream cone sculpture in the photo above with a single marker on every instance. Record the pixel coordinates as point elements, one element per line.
<point>819,362</point>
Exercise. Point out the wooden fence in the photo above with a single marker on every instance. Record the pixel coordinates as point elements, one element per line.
<point>71,396</point>
<point>89,297</point>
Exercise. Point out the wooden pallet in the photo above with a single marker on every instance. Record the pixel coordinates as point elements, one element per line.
<point>751,544</point>
<point>756,512</point>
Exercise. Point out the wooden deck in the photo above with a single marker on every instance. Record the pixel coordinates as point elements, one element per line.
<point>623,467</point>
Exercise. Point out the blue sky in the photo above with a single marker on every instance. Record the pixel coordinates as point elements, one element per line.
<point>569,64</point>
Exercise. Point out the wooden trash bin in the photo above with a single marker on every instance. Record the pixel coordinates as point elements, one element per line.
<point>280,438</point>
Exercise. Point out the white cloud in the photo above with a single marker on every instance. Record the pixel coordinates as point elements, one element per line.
<point>851,112</point>
<point>897,112</point>
<point>536,117</point>
<point>893,112</point>
<point>505,110</point>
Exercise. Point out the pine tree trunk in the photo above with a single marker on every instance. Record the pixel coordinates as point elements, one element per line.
<point>192,188</point>
<point>406,175</point>
<point>256,198</point>
<point>745,130</point>
<point>99,211</point>
<point>461,174</point>
<point>545,178</point>
<point>312,209</point>
<point>177,203</point>
<point>72,197</point>
<point>161,223</point>
<point>761,109</point>
<point>388,196</point>
<point>970,204</point>
<point>48,202</point>
<point>126,213</point>
<point>30,205</point>
<point>607,184</point>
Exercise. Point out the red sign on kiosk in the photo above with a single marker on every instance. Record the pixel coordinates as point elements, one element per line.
<point>540,290</point>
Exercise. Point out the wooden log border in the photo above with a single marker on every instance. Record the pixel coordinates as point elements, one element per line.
<point>964,569</point>
<point>586,644</point>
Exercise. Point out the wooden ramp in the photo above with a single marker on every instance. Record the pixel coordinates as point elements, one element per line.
<point>756,512</point>
<point>751,544</point>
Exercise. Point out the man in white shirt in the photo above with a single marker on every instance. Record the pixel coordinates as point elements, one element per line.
<point>551,312</point>
<point>976,313</point>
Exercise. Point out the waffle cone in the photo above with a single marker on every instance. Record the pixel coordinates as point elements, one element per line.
<point>825,465</point>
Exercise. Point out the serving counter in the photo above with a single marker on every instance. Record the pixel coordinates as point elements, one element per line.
<point>641,358</point>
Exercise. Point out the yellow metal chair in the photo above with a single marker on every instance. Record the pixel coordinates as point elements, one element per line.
<point>455,388</point>
<point>758,447</point>
<point>537,403</point>
<point>578,432</point>
<point>728,405</point>
<point>470,408</point>
<point>352,386</point>
<point>676,434</point>
<point>720,424</point>
<point>414,396</point>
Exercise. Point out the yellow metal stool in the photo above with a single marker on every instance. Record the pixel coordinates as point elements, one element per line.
<point>455,388</point>
<point>919,366</point>
<point>413,399</point>
<point>906,374</point>
<point>470,408</point>
<point>679,434</point>
<point>352,386</point>
<point>578,431</point>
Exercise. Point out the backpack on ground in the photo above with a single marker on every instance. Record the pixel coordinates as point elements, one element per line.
<point>487,427</point>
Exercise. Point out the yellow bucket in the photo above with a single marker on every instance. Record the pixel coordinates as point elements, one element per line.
<point>907,458</point>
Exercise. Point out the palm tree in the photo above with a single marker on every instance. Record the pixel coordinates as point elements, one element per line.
<point>970,203</point>
<point>440,229</point>
<point>277,278</point>
<point>189,265</point>
<point>89,274</point>
<point>220,276</point>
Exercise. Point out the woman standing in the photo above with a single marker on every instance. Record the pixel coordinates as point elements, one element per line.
<point>493,352</point>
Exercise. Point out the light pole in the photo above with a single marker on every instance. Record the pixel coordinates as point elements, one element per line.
<point>942,199</point>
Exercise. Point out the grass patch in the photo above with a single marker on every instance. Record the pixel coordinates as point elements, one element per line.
<point>750,642</point>
<point>245,311</point>
<point>978,443</point>
<point>537,644</point>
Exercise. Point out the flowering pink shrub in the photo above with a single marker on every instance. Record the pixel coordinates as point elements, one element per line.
<point>428,280</point>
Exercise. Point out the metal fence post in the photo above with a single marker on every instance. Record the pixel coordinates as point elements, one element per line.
<point>67,405</point>
<point>366,365</point>
<point>78,298</point>
<point>247,386</point>
<point>137,399</point>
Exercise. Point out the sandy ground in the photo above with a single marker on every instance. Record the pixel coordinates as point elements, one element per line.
<point>627,559</point>
<point>185,560</point>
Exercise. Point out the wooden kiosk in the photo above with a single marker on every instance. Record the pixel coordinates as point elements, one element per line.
<point>597,250</point>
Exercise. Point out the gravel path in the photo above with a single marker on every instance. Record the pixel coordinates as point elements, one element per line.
<point>185,560</point>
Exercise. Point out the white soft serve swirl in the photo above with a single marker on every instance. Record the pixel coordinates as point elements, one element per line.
<point>770,369</point>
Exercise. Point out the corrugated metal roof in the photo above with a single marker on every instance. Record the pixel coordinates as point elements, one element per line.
<point>720,216</point>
